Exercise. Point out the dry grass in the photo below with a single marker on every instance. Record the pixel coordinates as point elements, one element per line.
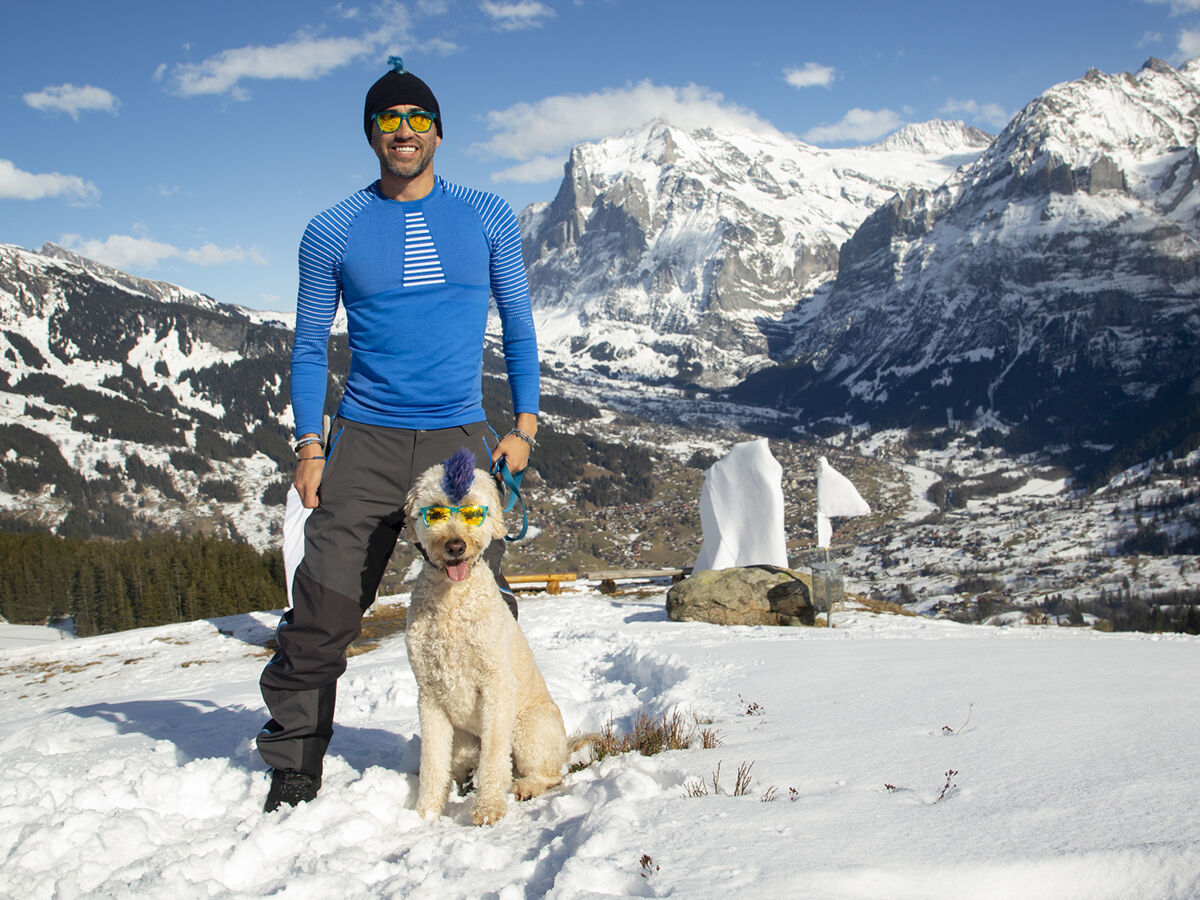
<point>379,623</point>
<point>651,735</point>
<point>698,787</point>
<point>878,606</point>
<point>42,672</point>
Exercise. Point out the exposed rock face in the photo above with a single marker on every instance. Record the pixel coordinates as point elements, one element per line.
<point>130,404</point>
<point>1055,281</point>
<point>669,254</point>
<point>753,595</point>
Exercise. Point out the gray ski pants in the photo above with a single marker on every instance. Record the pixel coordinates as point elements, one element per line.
<point>348,541</point>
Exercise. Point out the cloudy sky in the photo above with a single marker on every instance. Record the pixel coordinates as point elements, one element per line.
<point>192,142</point>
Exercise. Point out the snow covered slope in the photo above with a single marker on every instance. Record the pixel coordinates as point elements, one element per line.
<point>1056,279</point>
<point>889,757</point>
<point>120,393</point>
<point>665,249</point>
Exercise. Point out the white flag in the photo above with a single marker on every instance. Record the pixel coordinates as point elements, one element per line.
<point>836,496</point>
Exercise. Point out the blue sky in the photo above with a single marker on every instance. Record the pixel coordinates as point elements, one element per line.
<point>192,142</point>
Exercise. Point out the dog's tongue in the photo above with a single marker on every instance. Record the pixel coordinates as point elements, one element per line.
<point>457,571</point>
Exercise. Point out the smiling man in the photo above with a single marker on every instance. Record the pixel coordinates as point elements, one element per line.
<point>415,261</point>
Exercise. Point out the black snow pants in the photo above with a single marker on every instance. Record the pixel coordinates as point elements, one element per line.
<point>348,541</point>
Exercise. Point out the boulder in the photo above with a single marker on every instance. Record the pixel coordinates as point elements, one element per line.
<point>750,595</point>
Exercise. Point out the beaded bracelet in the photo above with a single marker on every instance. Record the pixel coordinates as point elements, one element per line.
<point>517,432</point>
<point>304,442</point>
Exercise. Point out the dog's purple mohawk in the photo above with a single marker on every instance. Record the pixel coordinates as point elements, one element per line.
<point>459,474</point>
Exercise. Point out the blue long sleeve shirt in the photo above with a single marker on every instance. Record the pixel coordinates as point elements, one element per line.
<point>415,279</point>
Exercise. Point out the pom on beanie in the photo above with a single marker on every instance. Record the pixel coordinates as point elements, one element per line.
<point>399,87</point>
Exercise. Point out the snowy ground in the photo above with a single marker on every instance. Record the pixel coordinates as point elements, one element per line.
<point>128,767</point>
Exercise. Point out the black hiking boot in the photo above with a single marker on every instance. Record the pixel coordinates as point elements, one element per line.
<point>290,787</point>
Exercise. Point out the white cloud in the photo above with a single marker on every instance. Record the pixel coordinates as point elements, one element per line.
<point>305,57</point>
<point>1189,43</point>
<point>517,16</point>
<point>532,132</point>
<point>1179,7</point>
<point>1150,37</point>
<point>72,99</point>
<point>16,184</point>
<point>991,113</point>
<point>857,125</point>
<point>123,251</point>
<point>811,74</point>
<point>534,171</point>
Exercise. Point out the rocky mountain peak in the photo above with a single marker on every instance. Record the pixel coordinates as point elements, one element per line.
<point>1057,273</point>
<point>667,252</point>
<point>938,138</point>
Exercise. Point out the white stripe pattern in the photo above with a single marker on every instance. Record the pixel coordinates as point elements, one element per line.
<point>421,263</point>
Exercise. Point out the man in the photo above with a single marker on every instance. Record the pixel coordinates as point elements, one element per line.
<point>413,258</point>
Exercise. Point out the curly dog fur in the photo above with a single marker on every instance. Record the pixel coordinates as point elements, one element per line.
<point>483,704</point>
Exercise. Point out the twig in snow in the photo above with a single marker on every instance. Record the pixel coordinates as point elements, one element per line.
<point>948,787</point>
<point>947,730</point>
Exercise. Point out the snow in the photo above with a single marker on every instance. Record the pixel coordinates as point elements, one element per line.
<point>130,772</point>
<point>13,636</point>
<point>741,510</point>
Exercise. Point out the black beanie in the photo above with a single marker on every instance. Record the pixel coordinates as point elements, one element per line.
<point>399,87</point>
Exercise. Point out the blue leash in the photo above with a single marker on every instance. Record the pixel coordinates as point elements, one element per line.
<point>513,484</point>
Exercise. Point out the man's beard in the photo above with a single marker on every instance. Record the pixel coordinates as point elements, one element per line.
<point>408,167</point>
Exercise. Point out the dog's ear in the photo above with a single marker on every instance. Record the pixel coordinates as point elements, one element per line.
<point>409,530</point>
<point>495,503</point>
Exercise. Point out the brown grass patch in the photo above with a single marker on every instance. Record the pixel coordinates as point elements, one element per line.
<point>380,622</point>
<point>44,671</point>
<point>879,606</point>
<point>650,736</point>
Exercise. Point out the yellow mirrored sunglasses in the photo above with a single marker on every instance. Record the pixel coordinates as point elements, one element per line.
<point>418,120</point>
<point>472,515</point>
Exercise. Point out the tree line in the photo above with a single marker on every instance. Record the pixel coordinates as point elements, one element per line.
<point>108,586</point>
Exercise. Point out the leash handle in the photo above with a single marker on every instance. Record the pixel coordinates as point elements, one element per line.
<point>513,484</point>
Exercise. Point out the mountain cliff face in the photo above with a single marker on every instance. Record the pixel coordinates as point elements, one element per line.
<point>669,254</point>
<point>1054,282</point>
<point>128,402</point>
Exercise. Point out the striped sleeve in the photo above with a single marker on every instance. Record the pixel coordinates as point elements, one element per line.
<point>320,259</point>
<point>510,289</point>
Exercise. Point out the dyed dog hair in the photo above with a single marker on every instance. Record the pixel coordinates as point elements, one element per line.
<point>458,474</point>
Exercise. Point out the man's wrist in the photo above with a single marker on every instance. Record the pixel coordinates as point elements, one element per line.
<point>524,436</point>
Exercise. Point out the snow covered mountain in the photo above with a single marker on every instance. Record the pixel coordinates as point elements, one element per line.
<point>669,255</point>
<point>129,402</point>
<point>1054,282</point>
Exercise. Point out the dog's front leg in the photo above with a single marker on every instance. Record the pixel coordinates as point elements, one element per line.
<point>437,741</point>
<point>494,776</point>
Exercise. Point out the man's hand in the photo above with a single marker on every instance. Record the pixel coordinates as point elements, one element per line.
<point>308,474</point>
<point>512,448</point>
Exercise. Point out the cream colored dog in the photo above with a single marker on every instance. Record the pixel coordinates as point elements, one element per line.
<point>483,704</point>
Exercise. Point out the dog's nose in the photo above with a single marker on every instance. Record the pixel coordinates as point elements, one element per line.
<point>456,547</point>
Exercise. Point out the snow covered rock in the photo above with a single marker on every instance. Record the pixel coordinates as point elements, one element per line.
<point>741,510</point>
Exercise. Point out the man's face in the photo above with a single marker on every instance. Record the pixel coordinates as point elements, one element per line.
<point>404,153</point>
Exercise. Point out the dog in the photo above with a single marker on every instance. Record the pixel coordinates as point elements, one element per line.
<point>482,702</point>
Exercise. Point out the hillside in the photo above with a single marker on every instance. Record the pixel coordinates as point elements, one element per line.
<point>1050,286</point>
<point>891,756</point>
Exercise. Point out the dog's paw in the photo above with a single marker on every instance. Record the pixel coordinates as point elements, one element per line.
<point>530,787</point>
<point>487,811</point>
<point>429,812</point>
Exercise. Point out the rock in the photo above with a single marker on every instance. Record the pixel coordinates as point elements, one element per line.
<point>752,595</point>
